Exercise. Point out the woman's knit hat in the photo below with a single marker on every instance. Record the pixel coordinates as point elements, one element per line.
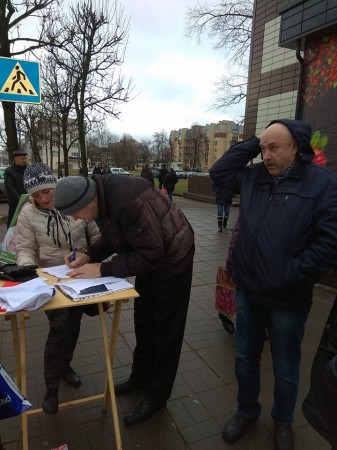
<point>37,177</point>
<point>74,193</point>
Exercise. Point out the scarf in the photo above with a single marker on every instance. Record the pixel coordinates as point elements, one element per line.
<point>286,172</point>
<point>56,224</point>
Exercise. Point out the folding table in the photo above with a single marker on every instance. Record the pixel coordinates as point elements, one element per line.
<point>18,329</point>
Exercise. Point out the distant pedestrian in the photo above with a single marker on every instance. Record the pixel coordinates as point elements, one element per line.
<point>97,170</point>
<point>162,174</point>
<point>170,181</point>
<point>14,182</point>
<point>147,173</point>
<point>223,203</point>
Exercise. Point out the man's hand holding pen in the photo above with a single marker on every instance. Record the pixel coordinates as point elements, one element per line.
<point>75,259</point>
<point>78,263</point>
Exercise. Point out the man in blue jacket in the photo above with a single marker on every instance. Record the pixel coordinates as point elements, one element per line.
<point>287,240</point>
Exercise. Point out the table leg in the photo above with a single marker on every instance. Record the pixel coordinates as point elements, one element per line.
<point>23,388</point>
<point>16,345</point>
<point>108,362</point>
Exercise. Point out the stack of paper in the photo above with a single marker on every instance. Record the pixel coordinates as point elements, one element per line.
<point>93,287</point>
<point>30,295</point>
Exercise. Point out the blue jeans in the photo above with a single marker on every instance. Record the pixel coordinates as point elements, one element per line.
<point>223,209</point>
<point>286,330</point>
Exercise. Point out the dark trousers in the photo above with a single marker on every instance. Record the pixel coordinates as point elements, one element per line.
<point>11,211</point>
<point>160,316</point>
<point>64,329</point>
<point>286,330</point>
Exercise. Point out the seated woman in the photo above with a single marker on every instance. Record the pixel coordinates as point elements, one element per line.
<point>44,237</point>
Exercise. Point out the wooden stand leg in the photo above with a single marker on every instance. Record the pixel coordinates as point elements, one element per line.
<point>113,340</point>
<point>108,361</point>
<point>23,388</point>
<point>16,345</point>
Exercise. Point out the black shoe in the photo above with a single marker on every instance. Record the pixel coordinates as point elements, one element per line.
<point>50,402</point>
<point>128,386</point>
<point>227,324</point>
<point>144,409</point>
<point>225,220</point>
<point>236,427</point>
<point>70,376</point>
<point>283,437</point>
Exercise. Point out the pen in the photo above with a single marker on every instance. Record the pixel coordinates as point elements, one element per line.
<point>73,255</point>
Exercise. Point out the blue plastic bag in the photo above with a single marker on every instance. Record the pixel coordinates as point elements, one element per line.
<point>12,402</point>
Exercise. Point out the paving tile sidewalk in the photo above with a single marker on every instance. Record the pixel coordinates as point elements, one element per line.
<point>204,394</point>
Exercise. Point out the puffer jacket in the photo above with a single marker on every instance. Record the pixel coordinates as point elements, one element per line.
<point>320,405</point>
<point>47,245</point>
<point>288,231</point>
<point>149,234</point>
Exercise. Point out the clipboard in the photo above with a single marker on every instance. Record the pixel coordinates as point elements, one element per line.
<point>92,287</point>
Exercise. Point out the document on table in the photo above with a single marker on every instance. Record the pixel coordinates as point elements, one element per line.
<point>92,287</point>
<point>58,271</point>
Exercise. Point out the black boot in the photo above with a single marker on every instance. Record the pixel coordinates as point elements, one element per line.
<point>225,219</point>
<point>50,402</point>
<point>220,224</point>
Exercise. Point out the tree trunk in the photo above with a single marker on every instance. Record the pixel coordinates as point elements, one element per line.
<point>10,128</point>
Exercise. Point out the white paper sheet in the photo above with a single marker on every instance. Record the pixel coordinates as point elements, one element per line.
<point>58,271</point>
<point>30,295</point>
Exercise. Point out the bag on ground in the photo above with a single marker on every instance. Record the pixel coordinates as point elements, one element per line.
<point>12,402</point>
<point>224,296</point>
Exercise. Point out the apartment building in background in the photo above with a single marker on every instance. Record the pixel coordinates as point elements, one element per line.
<point>200,146</point>
<point>293,70</point>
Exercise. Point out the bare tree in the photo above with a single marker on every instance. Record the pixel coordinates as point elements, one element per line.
<point>29,120</point>
<point>228,24</point>
<point>145,151</point>
<point>96,37</point>
<point>58,108</point>
<point>161,147</point>
<point>12,43</point>
<point>125,152</point>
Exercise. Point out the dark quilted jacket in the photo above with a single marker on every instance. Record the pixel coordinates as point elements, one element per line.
<point>149,234</point>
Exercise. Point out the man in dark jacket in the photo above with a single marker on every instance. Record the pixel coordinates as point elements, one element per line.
<point>162,174</point>
<point>153,241</point>
<point>14,182</point>
<point>286,241</point>
<point>170,181</point>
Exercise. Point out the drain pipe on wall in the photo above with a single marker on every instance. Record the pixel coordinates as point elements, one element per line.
<point>299,87</point>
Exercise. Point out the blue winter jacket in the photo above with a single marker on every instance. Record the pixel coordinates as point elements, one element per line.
<point>288,231</point>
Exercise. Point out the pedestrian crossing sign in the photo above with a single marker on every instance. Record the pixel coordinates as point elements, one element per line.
<point>19,81</point>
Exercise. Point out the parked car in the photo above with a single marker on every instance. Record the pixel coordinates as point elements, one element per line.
<point>3,194</point>
<point>181,174</point>
<point>119,170</point>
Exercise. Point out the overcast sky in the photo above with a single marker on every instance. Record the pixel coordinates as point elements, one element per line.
<point>173,77</point>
